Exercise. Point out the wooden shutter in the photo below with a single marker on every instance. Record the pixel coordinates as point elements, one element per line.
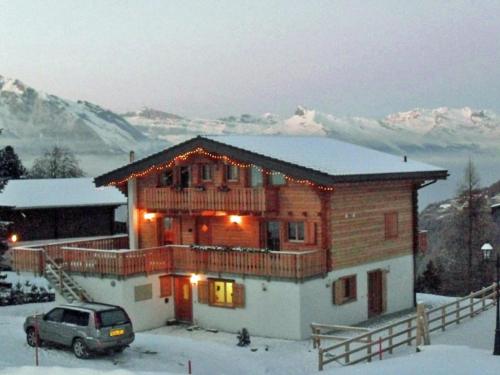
<point>238,295</point>
<point>391,225</point>
<point>353,293</point>
<point>310,228</point>
<point>203,292</point>
<point>383,274</point>
<point>165,286</point>
<point>338,292</point>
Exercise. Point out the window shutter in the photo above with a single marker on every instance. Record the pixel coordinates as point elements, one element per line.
<point>384,290</point>
<point>354,288</point>
<point>310,233</point>
<point>165,286</point>
<point>338,292</point>
<point>203,292</point>
<point>238,295</point>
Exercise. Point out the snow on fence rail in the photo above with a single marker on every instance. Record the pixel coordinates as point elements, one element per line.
<point>374,343</point>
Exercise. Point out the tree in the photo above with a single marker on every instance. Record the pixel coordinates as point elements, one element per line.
<point>59,162</point>
<point>11,166</point>
<point>430,280</point>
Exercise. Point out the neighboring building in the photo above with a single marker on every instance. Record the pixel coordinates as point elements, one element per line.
<point>59,208</point>
<point>267,233</point>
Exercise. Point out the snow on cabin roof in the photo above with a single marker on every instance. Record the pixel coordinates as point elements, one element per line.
<point>325,155</point>
<point>58,192</point>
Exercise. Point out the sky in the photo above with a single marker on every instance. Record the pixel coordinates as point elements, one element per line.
<point>217,58</point>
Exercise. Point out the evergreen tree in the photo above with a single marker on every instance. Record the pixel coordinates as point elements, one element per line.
<point>59,162</point>
<point>11,166</point>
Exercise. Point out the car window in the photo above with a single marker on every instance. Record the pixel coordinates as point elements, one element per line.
<point>79,318</point>
<point>112,317</point>
<point>54,315</point>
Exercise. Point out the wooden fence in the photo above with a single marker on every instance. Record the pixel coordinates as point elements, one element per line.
<point>366,346</point>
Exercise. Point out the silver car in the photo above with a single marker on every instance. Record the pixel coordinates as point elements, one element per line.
<point>84,327</point>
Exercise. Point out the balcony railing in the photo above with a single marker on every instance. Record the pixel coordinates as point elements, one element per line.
<point>174,259</point>
<point>189,199</point>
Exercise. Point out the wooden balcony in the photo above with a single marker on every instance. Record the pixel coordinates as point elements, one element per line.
<point>173,259</point>
<point>213,199</point>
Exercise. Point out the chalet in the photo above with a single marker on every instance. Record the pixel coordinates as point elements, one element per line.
<point>267,233</point>
<point>59,208</point>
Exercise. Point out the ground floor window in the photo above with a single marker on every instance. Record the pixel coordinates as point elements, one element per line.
<point>345,290</point>
<point>221,292</point>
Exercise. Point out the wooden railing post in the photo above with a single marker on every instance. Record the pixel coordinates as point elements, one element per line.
<point>347,355</point>
<point>443,318</point>
<point>458,311</point>
<point>390,339</point>
<point>471,305</point>
<point>409,332</point>
<point>369,348</point>
<point>320,359</point>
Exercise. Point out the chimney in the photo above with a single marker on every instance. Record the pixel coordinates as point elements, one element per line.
<point>132,156</point>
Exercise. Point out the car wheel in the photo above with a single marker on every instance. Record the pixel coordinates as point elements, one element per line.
<point>32,338</point>
<point>119,349</point>
<point>80,349</point>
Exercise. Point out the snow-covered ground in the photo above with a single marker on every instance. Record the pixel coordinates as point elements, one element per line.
<point>462,349</point>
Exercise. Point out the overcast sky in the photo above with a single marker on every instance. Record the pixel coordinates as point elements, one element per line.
<point>214,58</point>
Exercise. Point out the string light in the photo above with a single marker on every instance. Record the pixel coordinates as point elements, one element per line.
<point>226,159</point>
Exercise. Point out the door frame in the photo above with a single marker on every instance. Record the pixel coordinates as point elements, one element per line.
<point>179,282</point>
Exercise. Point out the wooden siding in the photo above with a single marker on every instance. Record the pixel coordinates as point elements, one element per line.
<point>358,222</point>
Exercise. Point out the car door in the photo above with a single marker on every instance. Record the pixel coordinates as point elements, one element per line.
<point>74,324</point>
<point>50,326</point>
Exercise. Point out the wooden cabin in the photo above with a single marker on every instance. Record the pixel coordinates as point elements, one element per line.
<point>268,233</point>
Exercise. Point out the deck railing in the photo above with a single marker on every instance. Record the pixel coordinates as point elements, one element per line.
<point>234,199</point>
<point>170,259</point>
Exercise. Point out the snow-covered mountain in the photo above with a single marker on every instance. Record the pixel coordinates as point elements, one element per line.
<point>442,129</point>
<point>33,121</point>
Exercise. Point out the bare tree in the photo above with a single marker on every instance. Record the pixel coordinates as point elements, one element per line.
<point>59,162</point>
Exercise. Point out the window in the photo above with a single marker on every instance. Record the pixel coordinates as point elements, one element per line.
<point>391,225</point>
<point>277,178</point>
<point>185,177</point>
<point>232,172</point>
<point>79,318</point>
<point>296,231</point>
<point>167,178</point>
<point>54,315</point>
<point>206,172</point>
<point>255,177</point>
<point>345,290</point>
<point>113,317</point>
<point>221,293</point>
<point>165,286</point>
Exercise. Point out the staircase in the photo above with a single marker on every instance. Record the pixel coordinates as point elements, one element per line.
<point>63,283</point>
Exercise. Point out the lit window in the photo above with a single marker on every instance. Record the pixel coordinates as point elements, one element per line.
<point>391,225</point>
<point>277,178</point>
<point>296,231</point>
<point>221,293</point>
<point>232,172</point>
<point>206,172</point>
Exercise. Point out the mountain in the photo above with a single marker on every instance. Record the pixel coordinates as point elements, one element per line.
<point>33,121</point>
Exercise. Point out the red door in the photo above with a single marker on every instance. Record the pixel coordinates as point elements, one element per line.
<point>183,299</point>
<point>375,293</point>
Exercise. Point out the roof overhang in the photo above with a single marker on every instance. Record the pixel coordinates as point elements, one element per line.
<point>120,175</point>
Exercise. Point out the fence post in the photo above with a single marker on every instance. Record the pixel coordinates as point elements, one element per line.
<point>369,348</point>
<point>320,359</point>
<point>347,356</point>
<point>483,299</point>
<point>422,326</point>
<point>471,306</point>
<point>390,339</point>
<point>458,311</point>
<point>443,318</point>
<point>409,332</point>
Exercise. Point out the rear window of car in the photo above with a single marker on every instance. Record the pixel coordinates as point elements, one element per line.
<point>79,318</point>
<point>113,317</point>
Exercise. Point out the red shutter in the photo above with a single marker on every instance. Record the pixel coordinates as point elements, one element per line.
<point>165,286</point>
<point>238,295</point>
<point>354,288</point>
<point>203,292</point>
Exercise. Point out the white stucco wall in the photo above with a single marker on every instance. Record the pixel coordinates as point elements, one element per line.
<point>148,314</point>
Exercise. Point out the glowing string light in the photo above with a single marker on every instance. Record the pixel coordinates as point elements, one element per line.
<point>200,151</point>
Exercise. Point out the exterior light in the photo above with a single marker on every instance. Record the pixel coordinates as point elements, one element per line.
<point>149,216</point>
<point>235,219</point>
<point>204,228</point>
<point>194,278</point>
<point>487,250</point>
<point>14,238</point>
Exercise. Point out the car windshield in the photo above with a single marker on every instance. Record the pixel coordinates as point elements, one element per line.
<point>113,317</point>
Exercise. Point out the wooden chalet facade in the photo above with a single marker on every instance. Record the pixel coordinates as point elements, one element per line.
<point>239,233</point>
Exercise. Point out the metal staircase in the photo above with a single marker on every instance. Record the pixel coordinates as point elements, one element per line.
<point>63,283</point>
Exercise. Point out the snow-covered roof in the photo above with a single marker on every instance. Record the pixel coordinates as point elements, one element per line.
<point>59,192</point>
<point>325,155</point>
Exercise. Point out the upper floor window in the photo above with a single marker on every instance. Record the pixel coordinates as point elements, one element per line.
<point>296,231</point>
<point>185,174</point>
<point>206,172</point>
<point>277,178</point>
<point>232,172</point>
<point>167,178</point>
<point>391,225</point>
<point>256,177</point>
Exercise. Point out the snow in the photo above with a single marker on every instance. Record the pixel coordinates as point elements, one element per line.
<point>326,155</point>
<point>463,349</point>
<point>61,192</point>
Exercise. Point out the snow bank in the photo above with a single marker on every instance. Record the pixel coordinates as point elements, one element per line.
<point>64,371</point>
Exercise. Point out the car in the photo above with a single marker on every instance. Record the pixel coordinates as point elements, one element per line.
<point>86,328</point>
